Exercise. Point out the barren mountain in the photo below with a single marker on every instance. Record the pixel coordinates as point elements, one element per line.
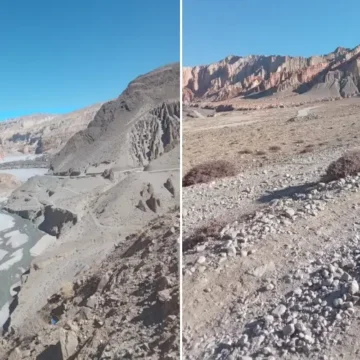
<point>137,127</point>
<point>334,75</point>
<point>43,133</point>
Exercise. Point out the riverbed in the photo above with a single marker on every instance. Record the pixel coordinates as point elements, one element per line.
<point>18,239</point>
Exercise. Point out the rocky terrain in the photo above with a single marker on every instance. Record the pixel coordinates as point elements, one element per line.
<point>271,259</point>
<point>116,183</point>
<point>331,76</point>
<point>125,308</point>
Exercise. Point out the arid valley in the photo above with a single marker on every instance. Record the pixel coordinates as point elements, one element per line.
<point>271,259</point>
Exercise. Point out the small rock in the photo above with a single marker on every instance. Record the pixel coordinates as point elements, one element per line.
<point>298,292</point>
<point>289,329</point>
<point>231,251</point>
<point>92,302</point>
<point>269,319</point>
<point>338,302</point>
<point>244,340</point>
<point>164,295</point>
<point>354,287</point>
<point>279,311</point>
<point>200,248</point>
<point>290,213</point>
<point>269,287</point>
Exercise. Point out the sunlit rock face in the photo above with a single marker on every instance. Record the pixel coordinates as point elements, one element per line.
<point>237,76</point>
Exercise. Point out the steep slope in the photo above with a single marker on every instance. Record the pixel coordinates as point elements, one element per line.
<point>126,307</point>
<point>137,127</point>
<point>332,75</point>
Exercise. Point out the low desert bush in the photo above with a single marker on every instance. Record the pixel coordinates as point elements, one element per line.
<point>209,171</point>
<point>275,148</point>
<point>307,149</point>
<point>200,235</point>
<point>245,151</point>
<point>346,165</point>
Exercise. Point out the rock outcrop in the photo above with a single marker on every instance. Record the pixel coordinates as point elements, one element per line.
<point>332,75</point>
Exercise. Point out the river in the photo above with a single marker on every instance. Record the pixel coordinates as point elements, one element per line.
<point>17,239</point>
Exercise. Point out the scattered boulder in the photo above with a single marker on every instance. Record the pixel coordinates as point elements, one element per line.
<point>141,206</point>
<point>170,186</point>
<point>108,174</point>
<point>153,203</point>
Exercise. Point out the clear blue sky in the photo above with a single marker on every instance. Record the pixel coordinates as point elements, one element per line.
<point>60,55</point>
<point>213,29</point>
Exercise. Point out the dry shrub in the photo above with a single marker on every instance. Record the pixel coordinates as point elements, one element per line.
<point>347,165</point>
<point>209,171</point>
<point>275,148</point>
<point>201,234</point>
<point>260,152</point>
<point>308,148</point>
<point>245,151</point>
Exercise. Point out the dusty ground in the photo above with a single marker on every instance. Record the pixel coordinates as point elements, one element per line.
<point>279,279</point>
<point>250,138</point>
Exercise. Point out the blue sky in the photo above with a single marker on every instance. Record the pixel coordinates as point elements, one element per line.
<point>213,29</point>
<point>57,56</point>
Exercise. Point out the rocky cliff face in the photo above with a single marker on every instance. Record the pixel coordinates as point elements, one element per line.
<point>130,131</point>
<point>332,75</point>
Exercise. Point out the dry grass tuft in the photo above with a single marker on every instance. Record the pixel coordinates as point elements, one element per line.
<point>201,234</point>
<point>307,149</point>
<point>245,151</point>
<point>209,171</point>
<point>67,290</point>
<point>275,148</point>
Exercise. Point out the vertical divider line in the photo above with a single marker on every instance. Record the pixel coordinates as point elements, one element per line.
<point>180,170</point>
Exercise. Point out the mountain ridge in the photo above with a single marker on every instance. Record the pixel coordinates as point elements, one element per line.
<point>332,75</point>
<point>119,131</point>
